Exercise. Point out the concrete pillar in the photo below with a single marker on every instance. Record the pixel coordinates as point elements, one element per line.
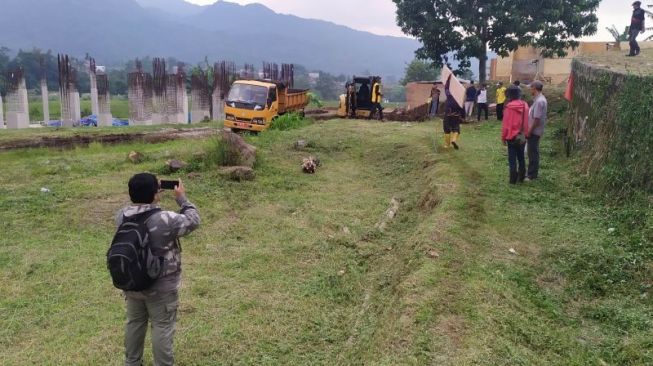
<point>45,100</point>
<point>159,82</point>
<point>17,103</point>
<point>78,107</point>
<point>72,114</point>
<point>185,101</point>
<point>218,105</point>
<point>2,115</point>
<point>95,109</point>
<point>140,98</point>
<point>104,117</point>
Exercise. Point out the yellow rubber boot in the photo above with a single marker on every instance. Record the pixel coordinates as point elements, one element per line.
<point>454,140</point>
<point>447,140</point>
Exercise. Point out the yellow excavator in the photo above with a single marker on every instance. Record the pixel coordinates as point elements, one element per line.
<point>357,100</point>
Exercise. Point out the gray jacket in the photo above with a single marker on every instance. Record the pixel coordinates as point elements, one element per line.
<point>166,227</point>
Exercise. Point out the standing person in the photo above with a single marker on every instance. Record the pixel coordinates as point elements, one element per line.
<point>435,101</point>
<point>517,83</point>
<point>377,97</point>
<point>637,26</point>
<point>159,302</point>
<point>481,100</point>
<point>501,100</point>
<point>470,99</point>
<point>351,100</point>
<point>536,123</point>
<point>453,116</point>
<point>513,134</point>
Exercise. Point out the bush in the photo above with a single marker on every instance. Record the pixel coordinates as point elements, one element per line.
<point>218,153</point>
<point>289,121</point>
<point>313,100</point>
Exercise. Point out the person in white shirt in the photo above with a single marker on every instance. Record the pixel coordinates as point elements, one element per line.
<point>481,100</point>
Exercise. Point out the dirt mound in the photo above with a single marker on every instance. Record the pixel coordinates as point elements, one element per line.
<point>67,142</point>
<point>418,114</point>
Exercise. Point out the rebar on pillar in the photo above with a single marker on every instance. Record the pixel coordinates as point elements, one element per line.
<point>70,105</point>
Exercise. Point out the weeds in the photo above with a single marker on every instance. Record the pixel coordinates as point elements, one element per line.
<point>289,121</point>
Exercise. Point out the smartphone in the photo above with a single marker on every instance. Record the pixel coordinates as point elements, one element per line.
<point>169,184</point>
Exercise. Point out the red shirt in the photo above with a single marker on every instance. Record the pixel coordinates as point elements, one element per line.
<point>515,119</point>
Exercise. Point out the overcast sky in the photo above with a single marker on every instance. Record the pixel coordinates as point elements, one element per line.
<point>378,16</point>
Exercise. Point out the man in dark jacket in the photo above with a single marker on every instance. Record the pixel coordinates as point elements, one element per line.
<point>453,115</point>
<point>158,304</point>
<point>637,26</point>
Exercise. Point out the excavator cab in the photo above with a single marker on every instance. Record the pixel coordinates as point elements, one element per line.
<point>357,100</point>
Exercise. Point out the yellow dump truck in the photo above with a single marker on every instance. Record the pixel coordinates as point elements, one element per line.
<point>253,104</point>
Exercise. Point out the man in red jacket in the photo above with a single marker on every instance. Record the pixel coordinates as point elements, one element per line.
<point>513,133</point>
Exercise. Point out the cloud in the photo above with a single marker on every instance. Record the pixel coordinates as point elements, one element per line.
<point>379,16</point>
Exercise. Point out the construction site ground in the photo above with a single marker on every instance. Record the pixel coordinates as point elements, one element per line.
<point>396,252</point>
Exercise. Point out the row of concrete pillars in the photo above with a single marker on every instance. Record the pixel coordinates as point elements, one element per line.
<point>161,99</point>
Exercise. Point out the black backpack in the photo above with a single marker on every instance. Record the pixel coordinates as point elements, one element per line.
<point>130,256</point>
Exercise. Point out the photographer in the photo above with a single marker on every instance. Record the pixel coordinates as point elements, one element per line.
<point>158,303</point>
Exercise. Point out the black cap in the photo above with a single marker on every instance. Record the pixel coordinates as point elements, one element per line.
<point>638,3</point>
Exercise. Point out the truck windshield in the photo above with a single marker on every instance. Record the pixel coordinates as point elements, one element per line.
<point>250,95</point>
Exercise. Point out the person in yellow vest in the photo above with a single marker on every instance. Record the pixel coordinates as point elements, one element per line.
<point>377,97</point>
<point>501,100</point>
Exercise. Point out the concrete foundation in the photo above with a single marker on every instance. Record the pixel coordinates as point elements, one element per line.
<point>45,100</point>
<point>17,102</point>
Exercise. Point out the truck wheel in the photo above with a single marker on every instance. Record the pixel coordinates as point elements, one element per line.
<point>302,114</point>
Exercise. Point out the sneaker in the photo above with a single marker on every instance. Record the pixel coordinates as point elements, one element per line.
<point>455,145</point>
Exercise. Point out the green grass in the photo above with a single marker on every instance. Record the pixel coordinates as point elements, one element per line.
<point>273,277</point>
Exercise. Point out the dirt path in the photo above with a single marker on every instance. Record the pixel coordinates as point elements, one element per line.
<point>109,138</point>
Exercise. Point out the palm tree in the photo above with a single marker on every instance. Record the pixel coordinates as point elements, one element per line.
<point>618,37</point>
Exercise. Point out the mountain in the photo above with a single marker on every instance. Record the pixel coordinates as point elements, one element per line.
<point>171,7</point>
<point>114,31</point>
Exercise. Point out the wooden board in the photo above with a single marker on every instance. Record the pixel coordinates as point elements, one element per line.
<point>456,88</point>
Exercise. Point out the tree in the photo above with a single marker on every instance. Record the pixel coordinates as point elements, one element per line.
<point>469,28</point>
<point>419,70</point>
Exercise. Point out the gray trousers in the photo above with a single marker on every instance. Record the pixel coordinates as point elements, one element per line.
<point>161,311</point>
<point>533,150</point>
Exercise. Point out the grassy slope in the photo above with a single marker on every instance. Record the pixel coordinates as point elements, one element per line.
<point>273,278</point>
